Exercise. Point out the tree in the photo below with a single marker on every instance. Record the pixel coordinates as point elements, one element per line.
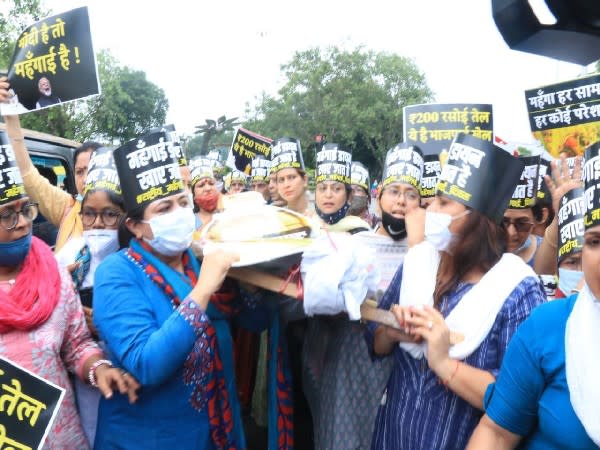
<point>214,128</point>
<point>354,98</point>
<point>128,106</point>
<point>15,16</point>
<point>193,146</point>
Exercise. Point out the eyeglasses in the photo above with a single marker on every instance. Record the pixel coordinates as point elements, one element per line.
<point>108,216</point>
<point>10,219</point>
<point>409,195</point>
<point>521,225</point>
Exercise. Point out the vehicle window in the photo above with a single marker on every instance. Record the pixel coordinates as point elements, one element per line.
<point>54,170</point>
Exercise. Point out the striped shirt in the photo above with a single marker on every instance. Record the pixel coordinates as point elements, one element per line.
<point>417,412</point>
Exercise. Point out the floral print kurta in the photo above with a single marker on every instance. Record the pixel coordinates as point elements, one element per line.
<point>61,344</point>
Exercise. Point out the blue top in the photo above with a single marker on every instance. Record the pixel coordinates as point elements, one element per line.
<point>418,412</point>
<point>151,339</point>
<point>531,396</point>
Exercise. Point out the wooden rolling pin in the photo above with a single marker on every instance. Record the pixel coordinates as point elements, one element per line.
<point>368,310</point>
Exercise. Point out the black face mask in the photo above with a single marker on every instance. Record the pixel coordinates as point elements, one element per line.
<point>395,227</point>
<point>335,217</point>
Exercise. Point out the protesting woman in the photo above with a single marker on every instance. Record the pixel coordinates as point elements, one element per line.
<point>457,279</point>
<point>361,197</point>
<point>161,319</point>
<point>204,190</point>
<point>101,212</point>
<point>42,326</point>
<point>546,395</point>
<point>279,371</point>
<point>341,381</point>
<point>524,213</point>
<point>288,165</point>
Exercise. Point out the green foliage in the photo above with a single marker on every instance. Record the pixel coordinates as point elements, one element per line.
<point>15,16</point>
<point>59,120</point>
<point>353,97</point>
<point>128,106</point>
<point>193,146</point>
<point>214,128</point>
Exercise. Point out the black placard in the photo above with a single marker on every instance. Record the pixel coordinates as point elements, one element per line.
<point>11,182</point>
<point>59,49</point>
<point>564,104</point>
<point>525,194</point>
<point>591,182</point>
<point>570,224</point>
<point>431,174</point>
<point>432,127</point>
<point>245,147</point>
<point>28,406</point>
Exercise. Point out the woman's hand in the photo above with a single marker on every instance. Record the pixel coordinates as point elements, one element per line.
<point>415,226</point>
<point>4,96</point>
<point>387,337</point>
<point>215,266</point>
<point>562,181</point>
<point>429,324</point>
<point>110,379</point>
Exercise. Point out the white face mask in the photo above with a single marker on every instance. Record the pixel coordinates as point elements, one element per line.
<point>436,229</point>
<point>172,232</point>
<point>101,242</point>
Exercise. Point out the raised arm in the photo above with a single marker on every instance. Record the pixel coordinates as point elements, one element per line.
<point>53,201</point>
<point>559,184</point>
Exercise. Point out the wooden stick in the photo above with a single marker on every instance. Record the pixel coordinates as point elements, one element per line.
<point>374,314</point>
<point>368,310</point>
<point>263,280</point>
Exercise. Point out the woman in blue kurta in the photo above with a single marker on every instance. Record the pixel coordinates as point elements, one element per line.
<point>162,318</point>
<point>530,400</point>
<point>457,279</point>
<point>158,324</point>
<point>546,395</point>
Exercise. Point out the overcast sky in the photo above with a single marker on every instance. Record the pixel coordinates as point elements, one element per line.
<point>213,57</point>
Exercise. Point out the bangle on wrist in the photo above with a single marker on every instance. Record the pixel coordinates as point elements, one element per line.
<point>92,373</point>
<point>447,382</point>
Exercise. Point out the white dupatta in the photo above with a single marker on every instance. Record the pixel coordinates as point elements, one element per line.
<point>476,312</point>
<point>582,361</point>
